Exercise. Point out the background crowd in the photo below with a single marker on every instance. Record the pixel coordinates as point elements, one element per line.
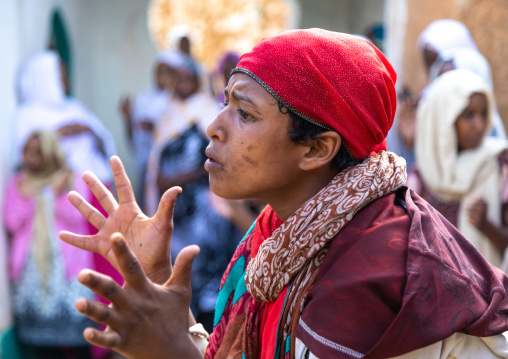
<point>450,133</point>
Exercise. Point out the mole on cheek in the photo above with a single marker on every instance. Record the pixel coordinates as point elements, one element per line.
<point>250,147</point>
<point>250,161</point>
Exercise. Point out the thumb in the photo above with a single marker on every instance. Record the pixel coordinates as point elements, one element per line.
<point>164,213</point>
<point>182,269</point>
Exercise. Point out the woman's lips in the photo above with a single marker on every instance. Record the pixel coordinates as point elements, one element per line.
<point>211,164</point>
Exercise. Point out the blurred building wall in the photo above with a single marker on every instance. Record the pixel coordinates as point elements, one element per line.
<point>8,65</point>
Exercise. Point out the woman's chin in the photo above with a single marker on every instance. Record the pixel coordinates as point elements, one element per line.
<point>225,192</point>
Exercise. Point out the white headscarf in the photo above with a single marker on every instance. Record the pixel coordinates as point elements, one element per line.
<point>459,177</point>
<point>40,79</point>
<point>444,34</point>
<point>44,107</point>
<point>469,59</point>
<point>176,33</point>
<point>463,58</point>
<point>172,58</point>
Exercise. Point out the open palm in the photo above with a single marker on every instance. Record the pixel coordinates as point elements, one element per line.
<point>148,238</point>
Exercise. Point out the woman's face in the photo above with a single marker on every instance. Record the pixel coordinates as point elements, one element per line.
<point>251,154</point>
<point>429,57</point>
<point>447,66</point>
<point>471,124</point>
<point>32,155</point>
<point>186,84</point>
<point>164,76</point>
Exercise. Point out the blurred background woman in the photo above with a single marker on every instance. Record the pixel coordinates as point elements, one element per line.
<point>459,170</point>
<point>43,269</point>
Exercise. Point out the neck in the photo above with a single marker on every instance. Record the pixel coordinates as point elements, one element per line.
<point>286,205</point>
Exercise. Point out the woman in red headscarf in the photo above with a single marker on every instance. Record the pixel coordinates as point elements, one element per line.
<point>344,262</point>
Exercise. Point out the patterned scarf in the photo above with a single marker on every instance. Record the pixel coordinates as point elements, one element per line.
<point>295,251</point>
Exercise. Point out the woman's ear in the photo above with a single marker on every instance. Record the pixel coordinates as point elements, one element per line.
<point>321,151</point>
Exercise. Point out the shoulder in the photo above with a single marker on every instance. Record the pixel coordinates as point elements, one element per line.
<point>376,233</point>
<point>381,223</point>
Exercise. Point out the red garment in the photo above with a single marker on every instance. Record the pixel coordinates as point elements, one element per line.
<point>397,280</point>
<point>337,80</point>
<point>266,224</point>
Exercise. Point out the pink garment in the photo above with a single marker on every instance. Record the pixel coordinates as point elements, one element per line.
<point>19,214</point>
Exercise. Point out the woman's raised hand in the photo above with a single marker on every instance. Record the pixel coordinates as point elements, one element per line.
<point>148,238</point>
<point>145,320</point>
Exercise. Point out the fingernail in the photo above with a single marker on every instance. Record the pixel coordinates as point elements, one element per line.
<point>89,333</point>
<point>83,276</point>
<point>117,239</point>
<point>82,304</point>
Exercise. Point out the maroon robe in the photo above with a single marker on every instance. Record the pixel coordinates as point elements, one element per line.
<point>397,278</point>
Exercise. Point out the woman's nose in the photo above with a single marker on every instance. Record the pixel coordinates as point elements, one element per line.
<point>216,130</point>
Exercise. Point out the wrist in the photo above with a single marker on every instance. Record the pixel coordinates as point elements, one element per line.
<point>200,337</point>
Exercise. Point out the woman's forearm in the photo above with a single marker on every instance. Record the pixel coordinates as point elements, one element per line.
<point>498,235</point>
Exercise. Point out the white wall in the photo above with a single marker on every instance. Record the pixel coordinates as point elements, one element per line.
<point>8,64</point>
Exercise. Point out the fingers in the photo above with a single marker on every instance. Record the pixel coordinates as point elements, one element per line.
<point>107,339</point>
<point>164,214</point>
<point>182,269</point>
<point>88,243</point>
<point>100,192</point>
<point>98,312</point>
<point>90,213</point>
<point>103,286</point>
<point>122,182</point>
<point>128,263</point>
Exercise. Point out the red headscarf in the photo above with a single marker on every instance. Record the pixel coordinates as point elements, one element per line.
<point>334,80</point>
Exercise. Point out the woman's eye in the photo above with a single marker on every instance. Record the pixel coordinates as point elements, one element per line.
<point>244,115</point>
<point>224,104</point>
<point>469,114</point>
